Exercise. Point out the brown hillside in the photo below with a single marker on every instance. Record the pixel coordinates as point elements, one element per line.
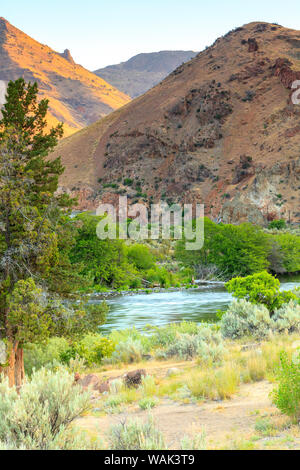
<point>77,96</point>
<point>221,129</point>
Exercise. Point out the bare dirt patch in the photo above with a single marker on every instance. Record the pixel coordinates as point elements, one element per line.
<point>227,424</point>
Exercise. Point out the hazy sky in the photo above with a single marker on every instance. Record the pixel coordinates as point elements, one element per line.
<point>101,33</point>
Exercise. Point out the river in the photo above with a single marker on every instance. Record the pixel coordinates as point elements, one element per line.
<point>161,308</point>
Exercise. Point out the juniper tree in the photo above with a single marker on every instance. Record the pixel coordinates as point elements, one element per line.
<point>33,225</point>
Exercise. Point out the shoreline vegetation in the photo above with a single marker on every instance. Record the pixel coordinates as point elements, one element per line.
<point>134,375</point>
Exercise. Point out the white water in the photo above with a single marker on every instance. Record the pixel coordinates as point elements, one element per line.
<point>159,309</point>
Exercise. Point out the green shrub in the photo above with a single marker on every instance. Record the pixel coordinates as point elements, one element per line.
<point>246,319</point>
<point>94,347</point>
<point>264,427</point>
<point>287,318</point>
<point>162,336</point>
<point>277,224</point>
<point>207,345</point>
<point>289,246</point>
<point>148,386</point>
<point>112,404</point>
<point>161,276</point>
<point>260,288</point>
<point>37,356</point>
<point>135,435</point>
<point>147,403</point>
<point>38,417</point>
<point>128,351</point>
<point>287,395</point>
<point>237,250</point>
<point>140,256</point>
<point>197,442</point>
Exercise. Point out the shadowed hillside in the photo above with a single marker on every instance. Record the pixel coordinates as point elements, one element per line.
<point>144,71</point>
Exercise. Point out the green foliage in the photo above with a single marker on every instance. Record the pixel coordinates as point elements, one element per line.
<point>147,403</point>
<point>37,356</point>
<point>260,288</point>
<point>104,261</point>
<point>287,318</point>
<point>140,256</point>
<point>76,320</point>
<point>287,396</point>
<point>278,224</point>
<point>28,315</point>
<point>31,219</point>
<point>207,345</point>
<point>197,442</point>
<point>128,351</point>
<point>162,277</point>
<point>165,335</point>
<point>135,435</point>
<point>93,348</point>
<point>234,249</point>
<point>34,316</point>
<point>38,417</point>
<point>289,248</point>
<point>246,319</point>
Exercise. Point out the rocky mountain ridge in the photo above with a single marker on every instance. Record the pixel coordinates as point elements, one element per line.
<point>77,97</point>
<point>221,130</point>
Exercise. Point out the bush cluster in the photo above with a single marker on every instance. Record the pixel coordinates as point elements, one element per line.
<point>38,417</point>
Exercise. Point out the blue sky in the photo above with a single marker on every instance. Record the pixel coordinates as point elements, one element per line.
<point>100,33</point>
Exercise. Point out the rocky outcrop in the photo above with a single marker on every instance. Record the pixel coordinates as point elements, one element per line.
<point>253,46</point>
<point>287,76</point>
<point>244,169</point>
<point>67,55</point>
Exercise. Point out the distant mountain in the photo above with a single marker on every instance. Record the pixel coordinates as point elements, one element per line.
<point>144,71</point>
<point>77,97</point>
<point>221,130</point>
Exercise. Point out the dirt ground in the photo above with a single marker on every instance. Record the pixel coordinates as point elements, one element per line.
<point>228,424</point>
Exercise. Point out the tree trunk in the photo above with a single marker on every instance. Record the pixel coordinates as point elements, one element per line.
<point>10,371</point>
<point>15,370</point>
<point>19,368</point>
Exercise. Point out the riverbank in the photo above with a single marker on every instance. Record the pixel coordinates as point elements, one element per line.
<point>199,285</point>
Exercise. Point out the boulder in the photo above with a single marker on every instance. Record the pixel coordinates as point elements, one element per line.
<point>172,371</point>
<point>93,382</point>
<point>134,378</point>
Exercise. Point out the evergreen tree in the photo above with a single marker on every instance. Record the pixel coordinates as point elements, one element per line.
<point>32,227</point>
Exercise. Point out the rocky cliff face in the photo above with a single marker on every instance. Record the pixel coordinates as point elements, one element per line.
<point>221,130</point>
<point>77,97</point>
